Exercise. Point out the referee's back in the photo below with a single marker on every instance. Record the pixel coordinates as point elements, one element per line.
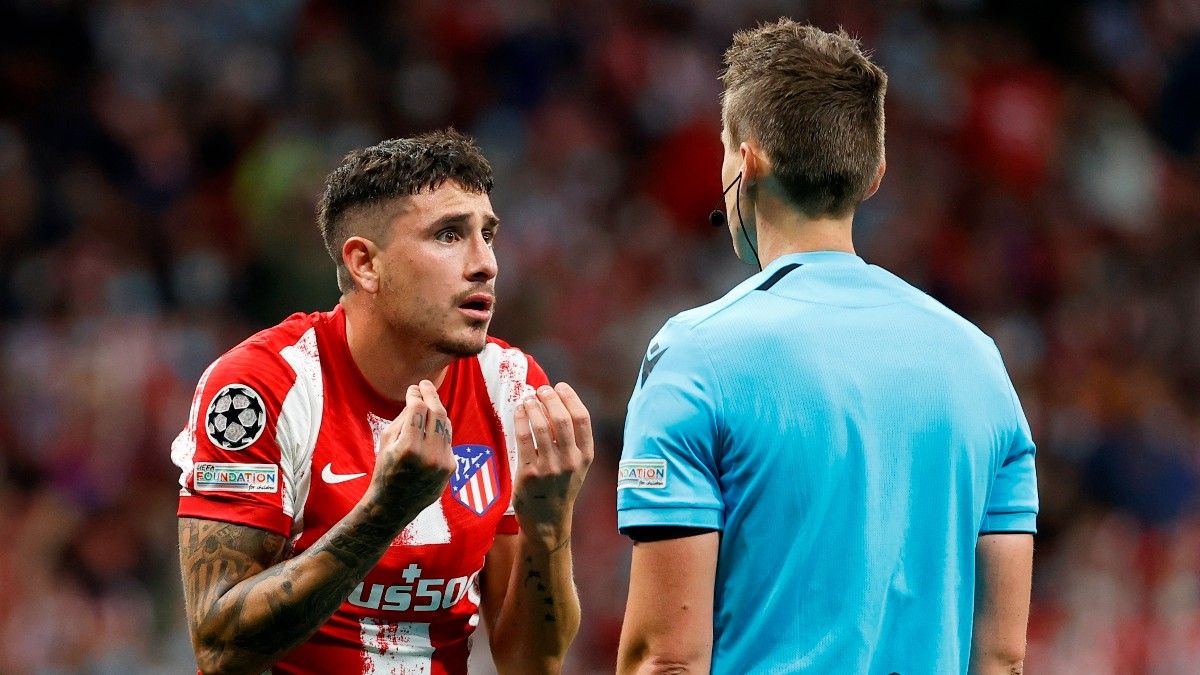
<point>851,438</point>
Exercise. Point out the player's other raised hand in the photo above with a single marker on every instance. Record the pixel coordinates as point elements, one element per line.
<point>554,449</point>
<point>415,460</point>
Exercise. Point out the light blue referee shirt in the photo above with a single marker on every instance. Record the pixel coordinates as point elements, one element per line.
<point>850,438</point>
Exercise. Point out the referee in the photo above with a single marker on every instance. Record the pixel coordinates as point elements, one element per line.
<point>826,470</point>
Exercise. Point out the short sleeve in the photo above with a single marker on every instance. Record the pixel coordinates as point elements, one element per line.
<point>668,472</point>
<point>1013,502</point>
<point>229,456</point>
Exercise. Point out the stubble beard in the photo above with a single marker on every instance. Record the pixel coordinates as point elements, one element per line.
<point>422,324</point>
<point>465,346</point>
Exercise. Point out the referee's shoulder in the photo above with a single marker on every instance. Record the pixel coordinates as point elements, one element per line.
<point>703,332</point>
<point>952,321</point>
<point>725,307</point>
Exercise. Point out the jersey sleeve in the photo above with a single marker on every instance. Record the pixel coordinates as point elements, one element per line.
<point>668,472</point>
<point>229,454</point>
<point>1013,503</point>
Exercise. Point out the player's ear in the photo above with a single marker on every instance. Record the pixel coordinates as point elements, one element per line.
<point>878,179</point>
<point>360,256</point>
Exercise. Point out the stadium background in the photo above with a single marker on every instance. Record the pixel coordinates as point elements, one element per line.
<point>160,159</point>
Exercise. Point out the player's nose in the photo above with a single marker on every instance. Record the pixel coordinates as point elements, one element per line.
<point>481,260</point>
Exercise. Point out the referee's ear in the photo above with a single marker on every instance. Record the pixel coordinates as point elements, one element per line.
<point>755,164</point>
<point>874,187</point>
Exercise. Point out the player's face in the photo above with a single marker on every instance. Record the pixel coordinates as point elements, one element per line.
<point>438,281</point>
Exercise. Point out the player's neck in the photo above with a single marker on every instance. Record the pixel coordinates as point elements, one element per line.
<point>783,230</point>
<point>389,363</point>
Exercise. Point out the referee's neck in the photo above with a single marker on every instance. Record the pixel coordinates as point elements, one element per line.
<point>783,230</point>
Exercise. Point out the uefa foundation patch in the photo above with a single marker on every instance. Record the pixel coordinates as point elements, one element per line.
<point>642,473</point>
<point>222,477</point>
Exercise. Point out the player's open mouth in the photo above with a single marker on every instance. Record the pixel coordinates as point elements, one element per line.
<point>477,306</point>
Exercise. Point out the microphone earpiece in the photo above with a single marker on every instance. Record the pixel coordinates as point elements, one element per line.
<point>717,217</point>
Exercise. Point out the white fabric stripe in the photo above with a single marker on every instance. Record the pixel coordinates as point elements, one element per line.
<point>505,372</point>
<point>299,425</point>
<point>485,475</point>
<point>477,502</point>
<point>430,526</point>
<point>400,648</point>
<point>183,448</point>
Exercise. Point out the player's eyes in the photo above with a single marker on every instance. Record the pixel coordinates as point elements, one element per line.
<point>451,235</point>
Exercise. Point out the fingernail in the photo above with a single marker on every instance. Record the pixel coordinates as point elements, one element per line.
<point>544,389</point>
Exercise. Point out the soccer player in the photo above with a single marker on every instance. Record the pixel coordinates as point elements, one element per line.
<point>824,471</point>
<point>360,486</point>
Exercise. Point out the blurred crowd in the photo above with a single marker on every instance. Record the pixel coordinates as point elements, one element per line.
<point>160,161</point>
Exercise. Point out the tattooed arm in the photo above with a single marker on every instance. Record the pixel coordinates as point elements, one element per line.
<point>529,605</point>
<point>529,599</point>
<point>246,608</point>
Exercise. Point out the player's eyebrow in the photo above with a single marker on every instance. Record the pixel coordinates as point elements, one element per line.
<point>460,219</point>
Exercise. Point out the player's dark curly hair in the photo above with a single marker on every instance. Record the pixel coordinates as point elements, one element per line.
<point>814,102</point>
<point>395,168</point>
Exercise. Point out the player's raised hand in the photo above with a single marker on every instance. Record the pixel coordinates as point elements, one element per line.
<point>554,449</point>
<point>415,460</point>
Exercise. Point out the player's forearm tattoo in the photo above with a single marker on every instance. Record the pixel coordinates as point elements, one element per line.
<point>244,605</point>
<point>442,427</point>
<point>534,576</point>
<point>357,546</point>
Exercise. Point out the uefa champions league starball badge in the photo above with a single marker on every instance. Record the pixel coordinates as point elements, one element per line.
<point>236,417</point>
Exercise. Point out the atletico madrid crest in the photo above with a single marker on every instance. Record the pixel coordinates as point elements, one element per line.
<point>476,479</point>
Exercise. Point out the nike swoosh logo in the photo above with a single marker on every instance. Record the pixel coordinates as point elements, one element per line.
<point>332,478</point>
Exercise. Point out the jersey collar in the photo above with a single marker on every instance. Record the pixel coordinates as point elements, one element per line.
<point>815,258</point>
<point>821,258</point>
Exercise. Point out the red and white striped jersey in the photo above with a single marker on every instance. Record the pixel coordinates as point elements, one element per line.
<point>282,436</point>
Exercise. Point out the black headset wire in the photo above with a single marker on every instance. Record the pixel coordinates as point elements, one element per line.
<point>737,203</point>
